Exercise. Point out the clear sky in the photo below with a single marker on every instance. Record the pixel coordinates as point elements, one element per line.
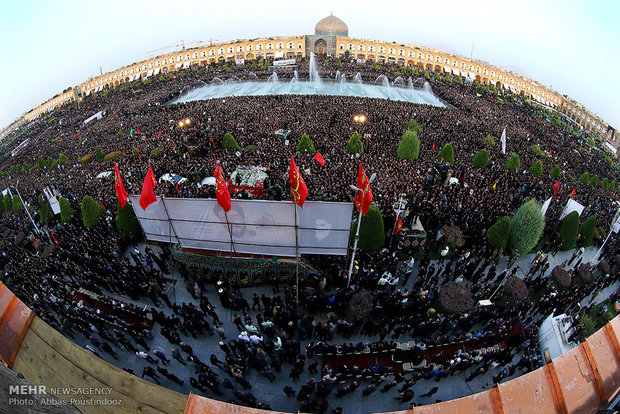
<point>570,45</point>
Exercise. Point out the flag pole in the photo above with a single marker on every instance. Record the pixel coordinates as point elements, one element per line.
<point>296,261</point>
<point>357,237</point>
<point>611,229</point>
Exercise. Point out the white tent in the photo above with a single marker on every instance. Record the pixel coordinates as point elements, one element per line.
<point>207,181</point>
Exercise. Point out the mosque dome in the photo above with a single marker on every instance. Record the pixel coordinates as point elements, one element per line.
<point>331,26</point>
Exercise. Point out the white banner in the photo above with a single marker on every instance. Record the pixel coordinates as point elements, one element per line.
<point>571,206</point>
<point>255,226</point>
<point>545,206</point>
<point>503,139</point>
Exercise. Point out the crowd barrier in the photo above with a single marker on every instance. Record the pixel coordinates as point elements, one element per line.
<point>579,381</point>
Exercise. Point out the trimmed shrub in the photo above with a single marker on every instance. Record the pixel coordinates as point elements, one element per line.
<point>86,159</point>
<point>41,163</point>
<point>516,289</point>
<point>604,183</point>
<point>498,233</point>
<point>409,147</point>
<point>99,155</point>
<point>612,186</point>
<point>17,204</point>
<point>414,126</point>
<point>155,152</point>
<point>513,163</point>
<point>66,211</point>
<point>526,227</point>
<point>555,172</point>
<point>455,298</point>
<point>584,178</point>
<point>126,220</point>
<point>536,149</point>
<point>16,169</point>
<point>134,151</point>
<point>446,153</point>
<point>91,211</point>
<point>355,144</point>
<point>372,232</point>
<point>536,168</point>
<point>45,211</point>
<point>8,203</point>
<point>229,143</point>
<point>112,156</point>
<point>584,272</point>
<point>561,277</point>
<point>454,236</point>
<point>587,231</point>
<point>305,144</point>
<point>569,231</point>
<point>490,140</point>
<point>26,166</point>
<point>594,180</point>
<point>481,159</point>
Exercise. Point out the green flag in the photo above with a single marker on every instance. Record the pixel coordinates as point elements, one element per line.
<point>131,132</point>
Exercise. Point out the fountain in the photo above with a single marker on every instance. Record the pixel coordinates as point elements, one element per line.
<point>382,80</point>
<point>416,91</point>
<point>315,78</point>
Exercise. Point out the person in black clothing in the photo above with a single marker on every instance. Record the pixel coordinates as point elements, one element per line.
<point>150,372</point>
<point>430,392</point>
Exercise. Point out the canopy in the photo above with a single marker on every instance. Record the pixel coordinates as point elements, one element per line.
<point>207,181</point>
<point>106,174</point>
<point>172,178</point>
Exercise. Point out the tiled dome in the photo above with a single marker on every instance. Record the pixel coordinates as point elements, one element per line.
<point>331,25</point>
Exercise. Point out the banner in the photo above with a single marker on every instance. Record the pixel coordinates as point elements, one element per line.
<point>571,206</point>
<point>257,226</point>
<point>546,205</point>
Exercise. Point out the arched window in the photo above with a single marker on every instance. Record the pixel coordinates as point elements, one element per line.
<point>411,54</point>
<point>211,52</point>
<point>438,59</point>
<point>151,65</point>
<point>471,67</point>
<point>187,56</point>
<point>455,63</point>
<point>220,51</point>
<point>391,51</point>
<point>401,52</point>
<point>351,46</point>
<point>478,69</point>
<point>290,45</point>
<point>371,48</point>
<point>381,49</point>
<point>180,58</point>
<point>446,61</point>
<point>131,70</point>
<point>203,53</point>
<point>269,46</point>
<point>341,46</point>
<point>231,49</point>
<point>280,45</point>
<point>429,57</point>
<point>463,65</point>
<point>249,48</point>
<point>360,47</point>
<point>300,46</point>
<point>420,55</point>
<point>195,55</point>
<point>240,48</point>
<point>259,46</point>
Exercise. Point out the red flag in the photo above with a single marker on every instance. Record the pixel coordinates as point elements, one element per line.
<point>572,195</point>
<point>399,226</point>
<point>299,191</point>
<point>198,122</point>
<point>556,188</point>
<point>102,206</point>
<point>364,197</point>
<point>121,193</point>
<point>55,241</point>
<point>138,128</point>
<point>550,152</point>
<point>60,139</point>
<point>138,151</point>
<point>442,124</point>
<point>319,158</point>
<point>212,143</point>
<point>159,134</point>
<point>147,197</point>
<point>223,195</point>
<point>433,149</point>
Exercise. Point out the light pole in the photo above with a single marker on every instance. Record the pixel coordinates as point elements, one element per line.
<point>26,208</point>
<point>357,233</point>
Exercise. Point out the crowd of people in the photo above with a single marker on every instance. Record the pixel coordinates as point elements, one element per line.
<point>281,334</point>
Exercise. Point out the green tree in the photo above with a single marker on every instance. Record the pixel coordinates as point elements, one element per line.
<point>481,159</point>
<point>91,211</point>
<point>305,144</point>
<point>372,233</point>
<point>26,166</point>
<point>347,55</point>
<point>569,231</point>
<point>555,172</point>
<point>446,153</point>
<point>17,204</point>
<point>536,168</point>
<point>99,155</point>
<point>490,140</point>
<point>587,231</point>
<point>66,211</point>
<point>612,186</point>
<point>526,227</point>
<point>126,220</point>
<point>513,163</point>
<point>594,180</point>
<point>16,169</point>
<point>338,62</point>
<point>584,178</point>
<point>414,126</point>
<point>355,144</point>
<point>409,147</point>
<point>45,211</point>
<point>498,233</point>
<point>229,142</point>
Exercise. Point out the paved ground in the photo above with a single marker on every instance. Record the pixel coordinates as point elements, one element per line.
<point>271,393</point>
